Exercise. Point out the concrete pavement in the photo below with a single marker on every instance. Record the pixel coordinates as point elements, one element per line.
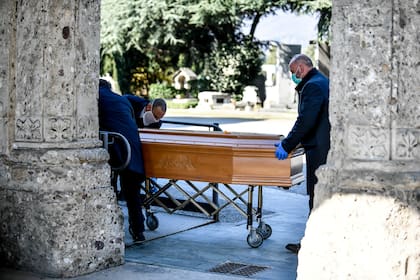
<point>182,249</point>
<point>263,121</point>
<point>186,246</point>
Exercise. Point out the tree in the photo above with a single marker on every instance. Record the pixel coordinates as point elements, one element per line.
<point>230,69</point>
<point>156,36</point>
<point>142,38</point>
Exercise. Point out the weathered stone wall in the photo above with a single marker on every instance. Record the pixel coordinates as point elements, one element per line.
<point>58,212</point>
<point>5,45</point>
<point>366,221</point>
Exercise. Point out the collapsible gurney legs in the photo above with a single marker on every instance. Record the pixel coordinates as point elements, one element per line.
<point>256,235</point>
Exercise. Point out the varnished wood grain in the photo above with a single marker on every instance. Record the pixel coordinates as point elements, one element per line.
<point>231,158</point>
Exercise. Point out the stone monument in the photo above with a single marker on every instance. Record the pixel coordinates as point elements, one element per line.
<point>58,213</point>
<point>366,220</point>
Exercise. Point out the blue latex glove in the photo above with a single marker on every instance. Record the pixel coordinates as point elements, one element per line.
<point>280,152</point>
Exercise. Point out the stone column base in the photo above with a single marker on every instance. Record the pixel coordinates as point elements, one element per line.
<point>58,212</point>
<point>365,225</point>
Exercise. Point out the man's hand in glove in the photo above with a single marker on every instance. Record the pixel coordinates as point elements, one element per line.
<point>280,152</point>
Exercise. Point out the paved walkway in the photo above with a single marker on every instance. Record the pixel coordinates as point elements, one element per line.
<point>187,247</point>
<point>268,122</point>
<point>181,250</point>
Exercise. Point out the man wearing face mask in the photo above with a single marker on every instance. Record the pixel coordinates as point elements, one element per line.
<point>116,115</point>
<point>312,126</point>
<point>148,114</point>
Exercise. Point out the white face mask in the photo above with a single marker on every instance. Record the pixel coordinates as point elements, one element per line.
<point>149,118</point>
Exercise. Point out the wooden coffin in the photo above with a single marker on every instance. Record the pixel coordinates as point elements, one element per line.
<point>218,157</point>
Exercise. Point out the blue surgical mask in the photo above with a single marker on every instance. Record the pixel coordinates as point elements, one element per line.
<point>295,79</point>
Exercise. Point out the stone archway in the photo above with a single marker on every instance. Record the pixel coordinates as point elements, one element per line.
<point>58,212</point>
<point>366,221</point>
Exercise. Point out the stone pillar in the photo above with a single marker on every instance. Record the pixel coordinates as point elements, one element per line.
<point>58,212</point>
<point>366,220</point>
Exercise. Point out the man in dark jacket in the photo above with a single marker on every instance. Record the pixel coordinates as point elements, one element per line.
<point>148,114</point>
<point>312,126</point>
<point>116,115</point>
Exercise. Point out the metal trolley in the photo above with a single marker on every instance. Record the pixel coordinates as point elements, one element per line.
<point>175,194</point>
<point>209,198</point>
<point>211,206</point>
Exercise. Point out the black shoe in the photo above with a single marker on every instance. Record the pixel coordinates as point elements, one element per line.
<point>294,248</point>
<point>138,237</point>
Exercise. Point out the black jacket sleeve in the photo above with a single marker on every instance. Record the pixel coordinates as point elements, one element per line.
<point>311,101</point>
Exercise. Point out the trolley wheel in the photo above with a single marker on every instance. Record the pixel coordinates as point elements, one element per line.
<point>152,222</point>
<point>255,240</point>
<point>265,230</point>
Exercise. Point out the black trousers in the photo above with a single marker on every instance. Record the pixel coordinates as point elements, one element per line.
<point>130,187</point>
<point>314,159</point>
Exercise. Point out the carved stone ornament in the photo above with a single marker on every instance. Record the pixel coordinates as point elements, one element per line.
<point>28,129</point>
<point>87,127</point>
<point>368,143</point>
<point>59,129</point>
<point>407,145</point>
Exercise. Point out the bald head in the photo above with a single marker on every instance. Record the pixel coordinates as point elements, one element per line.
<point>301,58</point>
<point>300,65</point>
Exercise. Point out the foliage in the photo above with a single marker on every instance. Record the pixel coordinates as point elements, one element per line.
<point>230,69</point>
<point>141,37</point>
<point>108,66</point>
<point>271,57</point>
<point>310,51</point>
<point>164,91</point>
<point>323,8</point>
<point>144,42</point>
<point>202,83</point>
<point>169,93</point>
<point>190,103</point>
<point>319,7</point>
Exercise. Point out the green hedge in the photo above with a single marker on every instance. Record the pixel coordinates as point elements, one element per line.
<point>190,103</point>
<point>162,91</point>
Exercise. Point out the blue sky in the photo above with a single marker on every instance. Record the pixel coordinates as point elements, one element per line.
<point>287,28</point>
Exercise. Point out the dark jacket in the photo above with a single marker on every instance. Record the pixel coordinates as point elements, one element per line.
<point>312,126</point>
<point>117,115</point>
<point>138,105</point>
